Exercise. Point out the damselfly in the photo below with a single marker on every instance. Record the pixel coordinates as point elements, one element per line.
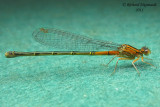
<point>81,45</point>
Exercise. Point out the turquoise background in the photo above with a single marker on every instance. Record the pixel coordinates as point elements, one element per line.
<point>78,81</point>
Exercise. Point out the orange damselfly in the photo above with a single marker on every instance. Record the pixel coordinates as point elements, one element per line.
<point>81,45</point>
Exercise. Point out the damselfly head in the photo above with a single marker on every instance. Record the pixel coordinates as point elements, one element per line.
<point>145,50</point>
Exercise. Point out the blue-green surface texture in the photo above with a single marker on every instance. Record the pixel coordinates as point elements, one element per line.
<point>78,81</point>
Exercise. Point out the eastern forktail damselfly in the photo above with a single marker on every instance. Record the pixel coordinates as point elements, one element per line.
<point>81,45</point>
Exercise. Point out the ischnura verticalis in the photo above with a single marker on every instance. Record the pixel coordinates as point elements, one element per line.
<point>81,45</point>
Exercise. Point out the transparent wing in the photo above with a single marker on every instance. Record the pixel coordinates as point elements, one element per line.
<point>71,42</point>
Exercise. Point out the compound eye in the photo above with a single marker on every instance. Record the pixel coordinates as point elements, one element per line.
<point>146,51</point>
